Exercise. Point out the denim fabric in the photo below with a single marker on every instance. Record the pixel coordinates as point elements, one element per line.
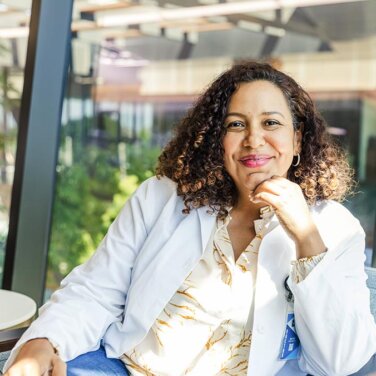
<point>291,368</point>
<point>96,363</point>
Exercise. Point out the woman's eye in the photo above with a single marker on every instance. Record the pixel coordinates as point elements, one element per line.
<point>271,123</point>
<point>235,125</point>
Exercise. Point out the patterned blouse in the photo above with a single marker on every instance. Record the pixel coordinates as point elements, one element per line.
<point>206,328</point>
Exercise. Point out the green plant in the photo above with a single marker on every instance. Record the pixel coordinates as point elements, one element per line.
<point>142,157</point>
<point>127,185</point>
<point>89,195</point>
<point>83,193</point>
<point>70,240</point>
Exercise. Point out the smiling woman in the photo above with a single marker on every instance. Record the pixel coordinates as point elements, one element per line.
<point>322,173</point>
<point>191,278</point>
<point>260,141</point>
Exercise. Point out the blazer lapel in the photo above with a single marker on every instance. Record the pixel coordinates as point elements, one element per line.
<point>207,221</point>
<point>274,264</point>
<point>163,275</point>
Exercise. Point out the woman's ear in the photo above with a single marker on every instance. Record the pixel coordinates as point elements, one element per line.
<point>298,138</point>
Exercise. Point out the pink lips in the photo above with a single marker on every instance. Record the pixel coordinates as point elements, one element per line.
<point>254,160</point>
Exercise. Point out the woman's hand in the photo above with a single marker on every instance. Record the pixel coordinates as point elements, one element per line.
<point>289,205</point>
<point>37,357</point>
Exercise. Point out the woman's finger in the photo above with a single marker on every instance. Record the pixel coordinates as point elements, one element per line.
<point>26,367</point>
<point>59,367</point>
<point>268,198</point>
<point>275,185</point>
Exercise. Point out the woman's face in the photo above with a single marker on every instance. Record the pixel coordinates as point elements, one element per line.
<point>260,141</point>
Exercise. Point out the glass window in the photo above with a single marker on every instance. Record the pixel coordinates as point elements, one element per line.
<point>134,75</point>
<point>13,44</point>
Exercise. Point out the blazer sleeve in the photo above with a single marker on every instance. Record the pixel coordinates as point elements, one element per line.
<point>93,295</point>
<point>332,304</point>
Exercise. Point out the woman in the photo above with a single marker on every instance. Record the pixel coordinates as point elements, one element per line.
<point>192,276</point>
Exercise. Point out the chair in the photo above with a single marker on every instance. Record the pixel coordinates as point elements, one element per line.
<point>370,368</point>
<point>371,283</point>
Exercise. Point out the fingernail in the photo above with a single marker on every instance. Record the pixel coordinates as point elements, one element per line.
<point>256,198</point>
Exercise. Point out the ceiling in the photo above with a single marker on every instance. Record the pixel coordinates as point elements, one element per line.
<point>110,35</point>
<point>308,29</point>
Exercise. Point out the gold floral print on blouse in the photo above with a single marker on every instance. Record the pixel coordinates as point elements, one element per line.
<point>302,267</point>
<point>205,329</point>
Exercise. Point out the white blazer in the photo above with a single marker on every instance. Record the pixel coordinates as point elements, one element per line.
<point>151,247</point>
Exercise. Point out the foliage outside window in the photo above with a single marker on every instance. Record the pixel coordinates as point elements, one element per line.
<point>89,194</point>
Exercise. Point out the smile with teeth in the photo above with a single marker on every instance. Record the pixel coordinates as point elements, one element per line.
<point>252,161</point>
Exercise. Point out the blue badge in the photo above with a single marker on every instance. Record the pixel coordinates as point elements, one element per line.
<point>291,344</point>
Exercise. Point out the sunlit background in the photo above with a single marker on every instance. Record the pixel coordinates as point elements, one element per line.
<point>135,68</point>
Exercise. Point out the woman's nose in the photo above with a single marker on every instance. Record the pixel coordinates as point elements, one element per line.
<point>253,138</point>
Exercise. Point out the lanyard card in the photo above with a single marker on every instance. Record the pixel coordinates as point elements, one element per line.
<point>290,348</point>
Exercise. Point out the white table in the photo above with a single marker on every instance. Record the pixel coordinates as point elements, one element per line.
<point>15,308</point>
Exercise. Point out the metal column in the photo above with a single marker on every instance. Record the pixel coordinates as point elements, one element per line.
<point>37,147</point>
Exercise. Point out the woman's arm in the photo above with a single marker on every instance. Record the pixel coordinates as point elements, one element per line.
<point>332,304</point>
<point>332,307</point>
<point>37,357</point>
<point>93,295</point>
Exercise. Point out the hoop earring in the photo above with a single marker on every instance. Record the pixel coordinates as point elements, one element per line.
<point>297,162</point>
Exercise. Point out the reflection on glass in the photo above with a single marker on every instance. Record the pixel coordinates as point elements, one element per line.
<point>11,81</point>
<point>131,83</point>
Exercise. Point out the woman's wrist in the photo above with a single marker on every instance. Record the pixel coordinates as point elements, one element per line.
<point>39,343</point>
<point>309,243</point>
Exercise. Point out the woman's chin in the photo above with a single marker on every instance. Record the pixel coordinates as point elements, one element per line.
<point>253,181</point>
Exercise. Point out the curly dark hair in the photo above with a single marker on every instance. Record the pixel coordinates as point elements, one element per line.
<point>194,156</point>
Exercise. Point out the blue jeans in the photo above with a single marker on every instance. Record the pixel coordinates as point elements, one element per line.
<point>96,363</point>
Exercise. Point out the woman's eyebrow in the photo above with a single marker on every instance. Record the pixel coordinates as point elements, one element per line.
<point>272,113</point>
<point>235,114</point>
<point>263,113</point>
